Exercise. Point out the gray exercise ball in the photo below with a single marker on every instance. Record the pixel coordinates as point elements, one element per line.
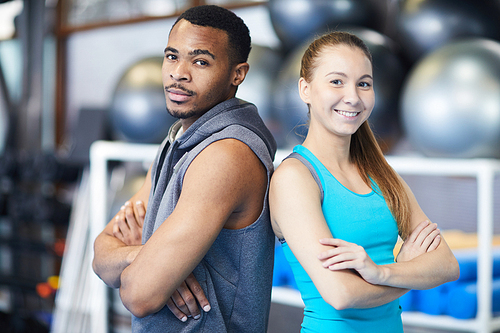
<point>257,88</point>
<point>425,25</point>
<point>138,111</point>
<point>451,101</point>
<point>296,21</point>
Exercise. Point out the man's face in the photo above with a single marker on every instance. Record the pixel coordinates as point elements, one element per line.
<point>196,71</point>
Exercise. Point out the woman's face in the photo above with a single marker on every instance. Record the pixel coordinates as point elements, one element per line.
<point>340,93</point>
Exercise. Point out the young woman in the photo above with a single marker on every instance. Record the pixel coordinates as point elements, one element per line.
<point>338,207</point>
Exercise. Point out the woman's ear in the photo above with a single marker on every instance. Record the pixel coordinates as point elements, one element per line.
<point>304,90</point>
<point>240,72</point>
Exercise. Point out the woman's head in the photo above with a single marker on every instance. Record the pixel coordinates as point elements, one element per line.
<point>337,84</point>
<point>364,150</point>
<point>318,46</point>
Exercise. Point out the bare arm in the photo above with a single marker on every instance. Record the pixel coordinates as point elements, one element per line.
<point>217,184</point>
<point>111,253</point>
<point>427,271</point>
<point>295,205</point>
<point>425,260</point>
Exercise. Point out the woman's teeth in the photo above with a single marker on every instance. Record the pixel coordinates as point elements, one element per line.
<point>347,113</point>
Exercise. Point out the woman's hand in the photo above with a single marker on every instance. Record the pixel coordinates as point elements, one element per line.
<point>425,238</point>
<point>345,255</point>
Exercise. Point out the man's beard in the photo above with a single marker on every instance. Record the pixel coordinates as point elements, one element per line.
<point>181,115</point>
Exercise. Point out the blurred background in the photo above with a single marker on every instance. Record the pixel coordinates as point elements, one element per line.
<point>73,72</point>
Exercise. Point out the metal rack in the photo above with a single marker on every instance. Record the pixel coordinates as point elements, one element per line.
<point>484,170</point>
<point>101,153</point>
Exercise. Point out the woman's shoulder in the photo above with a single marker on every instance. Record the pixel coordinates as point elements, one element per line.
<point>290,168</point>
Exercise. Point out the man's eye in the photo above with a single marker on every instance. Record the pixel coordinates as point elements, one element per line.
<point>201,62</point>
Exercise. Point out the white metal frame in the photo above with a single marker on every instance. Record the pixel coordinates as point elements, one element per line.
<point>101,152</point>
<point>484,170</point>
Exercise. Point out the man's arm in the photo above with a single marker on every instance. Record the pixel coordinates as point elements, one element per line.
<point>112,254</point>
<point>219,184</point>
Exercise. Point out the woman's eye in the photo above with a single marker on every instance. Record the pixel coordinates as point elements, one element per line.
<point>336,82</point>
<point>365,85</point>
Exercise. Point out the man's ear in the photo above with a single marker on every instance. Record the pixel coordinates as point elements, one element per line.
<point>304,90</point>
<point>240,72</point>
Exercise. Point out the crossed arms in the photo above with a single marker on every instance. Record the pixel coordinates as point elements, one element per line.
<point>224,187</point>
<point>342,272</point>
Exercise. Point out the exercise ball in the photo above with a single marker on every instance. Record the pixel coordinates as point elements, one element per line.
<point>138,111</point>
<point>264,66</point>
<point>451,101</point>
<point>388,72</point>
<point>296,21</point>
<point>422,26</point>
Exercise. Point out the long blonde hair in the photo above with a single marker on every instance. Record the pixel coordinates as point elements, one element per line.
<point>364,150</point>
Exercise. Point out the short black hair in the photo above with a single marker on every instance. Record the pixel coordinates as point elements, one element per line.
<point>220,18</point>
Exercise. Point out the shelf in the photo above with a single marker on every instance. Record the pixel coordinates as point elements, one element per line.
<point>446,322</point>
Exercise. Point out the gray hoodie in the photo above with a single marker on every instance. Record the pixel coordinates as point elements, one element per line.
<point>236,273</point>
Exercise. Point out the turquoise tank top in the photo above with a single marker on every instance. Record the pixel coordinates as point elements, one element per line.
<point>361,219</point>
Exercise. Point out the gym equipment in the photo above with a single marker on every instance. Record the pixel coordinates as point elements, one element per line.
<point>138,110</point>
<point>282,273</point>
<point>451,101</point>
<point>422,26</point>
<point>461,301</point>
<point>388,71</point>
<point>257,88</point>
<point>298,20</point>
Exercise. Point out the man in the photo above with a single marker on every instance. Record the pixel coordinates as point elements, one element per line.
<point>206,195</point>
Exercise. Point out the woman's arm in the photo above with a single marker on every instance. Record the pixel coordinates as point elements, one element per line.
<point>296,213</point>
<point>412,271</point>
<point>427,271</point>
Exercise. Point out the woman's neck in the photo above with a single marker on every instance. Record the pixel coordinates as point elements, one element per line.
<point>329,149</point>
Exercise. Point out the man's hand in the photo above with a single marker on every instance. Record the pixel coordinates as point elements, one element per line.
<point>128,223</point>
<point>184,301</point>
<point>127,227</point>
<point>425,238</point>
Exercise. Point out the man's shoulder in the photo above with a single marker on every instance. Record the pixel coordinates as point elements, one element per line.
<point>228,150</point>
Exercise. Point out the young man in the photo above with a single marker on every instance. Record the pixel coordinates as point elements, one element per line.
<point>206,195</point>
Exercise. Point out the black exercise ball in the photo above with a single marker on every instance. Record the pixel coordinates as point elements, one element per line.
<point>422,26</point>
<point>138,111</point>
<point>296,21</point>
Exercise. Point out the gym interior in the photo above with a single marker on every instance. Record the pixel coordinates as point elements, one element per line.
<point>82,112</point>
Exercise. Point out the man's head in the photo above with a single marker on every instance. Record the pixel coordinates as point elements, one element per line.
<point>204,62</point>
<point>225,20</point>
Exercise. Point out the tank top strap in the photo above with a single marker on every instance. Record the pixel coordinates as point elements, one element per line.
<point>311,169</point>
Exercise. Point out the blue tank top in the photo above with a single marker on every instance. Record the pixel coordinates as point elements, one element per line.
<point>363,219</point>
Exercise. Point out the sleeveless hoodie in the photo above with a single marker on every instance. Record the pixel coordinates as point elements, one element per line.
<point>236,272</point>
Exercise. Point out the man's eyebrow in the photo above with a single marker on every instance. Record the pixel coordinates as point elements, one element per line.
<point>199,51</point>
<point>170,49</point>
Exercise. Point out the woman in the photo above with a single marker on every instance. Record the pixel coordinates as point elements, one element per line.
<point>338,207</point>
